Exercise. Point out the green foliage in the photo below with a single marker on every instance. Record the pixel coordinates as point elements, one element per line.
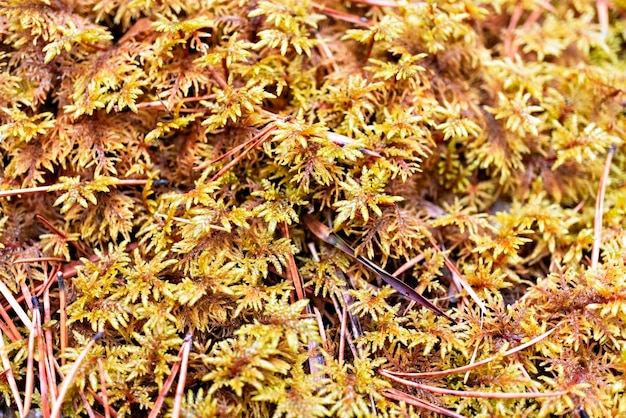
<point>451,138</point>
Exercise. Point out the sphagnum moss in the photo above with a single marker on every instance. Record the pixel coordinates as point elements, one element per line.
<point>162,157</point>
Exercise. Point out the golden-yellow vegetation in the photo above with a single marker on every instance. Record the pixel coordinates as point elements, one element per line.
<point>162,157</point>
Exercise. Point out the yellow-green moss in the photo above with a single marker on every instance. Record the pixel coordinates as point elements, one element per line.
<point>478,127</point>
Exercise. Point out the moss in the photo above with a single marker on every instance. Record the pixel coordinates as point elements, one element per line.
<point>164,157</point>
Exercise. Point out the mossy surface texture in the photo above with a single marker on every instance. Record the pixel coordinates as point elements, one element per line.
<point>178,161</point>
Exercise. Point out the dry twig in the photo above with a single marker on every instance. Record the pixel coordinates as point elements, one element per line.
<point>69,378</point>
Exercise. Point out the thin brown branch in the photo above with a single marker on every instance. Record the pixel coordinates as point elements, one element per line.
<point>383,3</point>
<point>6,363</point>
<point>597,223</point>
<point>62,315</point>
<point>292,269</point>
<point>9,328</point>
<point>88,407</point>
<point>474,394</point>
<point>458,278</point>
<point>99,399</point>
<point>158,404</point>
<point>342,333</point>
<point>28,190</point>
<point>341,16</point>
<point>247,147</point>
<point>400,396</point>
<point>180,388</point>
<point>320,325</point>
<point>408,265</point>
<point>509,46</point>
<point>325,234</point>
<point>602,6</point>
<point>42,362</point>
<point>30,361</point>
<point>462,369</point>
<point>48,343</point>
<point>325,51</point>
<point>42,189</point>
<point>51,227</point>
<point>69,378</point>
<point>76,244</point>
<point>218,78</point>
<point>103,388</point>
<point>39,260</point>
<point>27,295</point>
<point>16,306</point>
